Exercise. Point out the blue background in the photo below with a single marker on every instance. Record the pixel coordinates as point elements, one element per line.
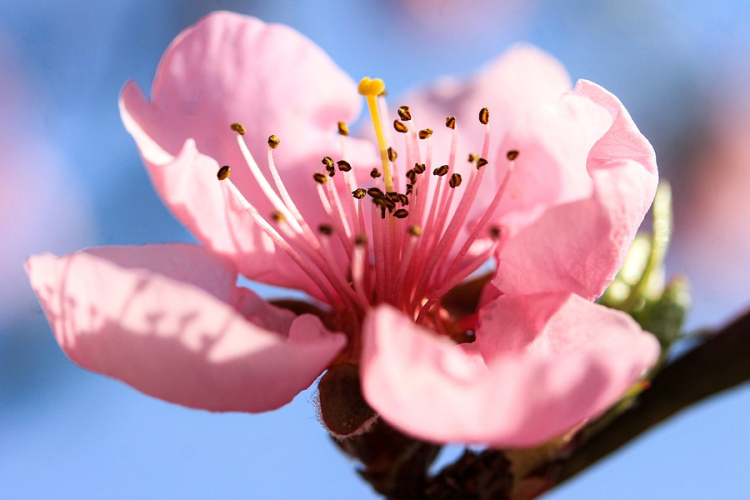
<point>67,433</point>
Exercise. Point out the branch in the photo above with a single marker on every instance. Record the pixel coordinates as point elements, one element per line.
<point>718,364</point>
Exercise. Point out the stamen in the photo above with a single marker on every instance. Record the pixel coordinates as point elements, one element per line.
<point>375,173</point>
<point>484,116</point>
<point>455,181</point>
<point>343,129</point>
<point>392,155</point>
<point>320,178</point>
<point>424,134</point>
<point>400,127</point>
<point>273,142</point>
<point>404,113</point>
<point>224,172</point>
<point>344,165</point>
<point>359,193</point>
<point>450,122</point>
<point>237,127</point>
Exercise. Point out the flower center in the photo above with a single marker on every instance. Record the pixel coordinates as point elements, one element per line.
<point>405,242</point>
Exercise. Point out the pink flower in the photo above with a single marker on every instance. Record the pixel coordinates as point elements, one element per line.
<point>553,195</point>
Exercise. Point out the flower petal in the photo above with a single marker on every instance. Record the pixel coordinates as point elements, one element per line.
<point>579,246</point>
<point>522,81</point>
<point>170,321</point>
<point>430,388</point>
<point>230,68</point>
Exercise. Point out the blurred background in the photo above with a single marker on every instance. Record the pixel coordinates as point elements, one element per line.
<point>70,177</point>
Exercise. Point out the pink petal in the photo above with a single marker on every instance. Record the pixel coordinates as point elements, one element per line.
<point>432,389</point>
<point>231,68</point>
<point>579,246</point>
<point>170,321</point>
<point>523,81</point>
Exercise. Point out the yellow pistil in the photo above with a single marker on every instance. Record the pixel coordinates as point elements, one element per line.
<point>371,89</point>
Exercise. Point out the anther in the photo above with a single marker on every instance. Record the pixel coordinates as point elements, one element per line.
<point>512,154</point>
<point>495,232</point>
<point>481,162</point>
<point>273,141</point>
<point>375,192</point>
<point>400,127</point>
<point>415,230</point>
<point>320,178</point>
<point>344,165</point>
<point>403,199</point>
<point>393,195</point>
<point>343,128</point>
<point>420,168</point>
<point>409,189</point>
<point>473,157</point>
<point>455,180</point>
<point>325,229</point>
<point>328,162</point>
<point>392,155</point>
<point>223,172</point>
<point>450,122</point>
<point>360,240</point>
<point>424,134</point>
<point>237,127</point>
<point>404,113</point>
<point>401,213</point>
<point>412,176</point>
<point>278,216</point>
<point>441,170</point>
<point>484,116</point>
<point>331,171</point>
<point>375,173</point>
<point>359,193</point>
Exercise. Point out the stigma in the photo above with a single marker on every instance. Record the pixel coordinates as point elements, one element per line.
<point>400,235</point>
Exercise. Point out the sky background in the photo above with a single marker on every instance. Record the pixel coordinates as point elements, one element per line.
<point>70,177</point>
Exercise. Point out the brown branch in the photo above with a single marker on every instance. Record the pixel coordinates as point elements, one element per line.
<point>718,364</point>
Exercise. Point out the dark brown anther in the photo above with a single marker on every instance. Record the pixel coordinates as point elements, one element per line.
<point>473,157</point>
<point>331,171</point>
<point>320,178</point>
<point>404,113</point>
<point>481,162</point>
<point>495,232</point>
<point>415,230</point>
<point>424,134</point>
<point>392,195</point>
<point>278,216</point>
<point>344,165</point>
<point>400,127</point>
<point>224,172</point>
<point>383,202</point>
<point>273,141</point>
<point>441,170</point>
<point>360,240</point>
<point>325,229</point>
<point>343,128</point>
<point>512,154</point>
<point>455,180</point>
<point>392,155</point>
<point>403,199</point>
<point>450,122</point>
<point>420,168</point>
<point>328,162</point>
<point>412,176</point>
<point>375,192</point>
<point>409,189</point>
<point>375,173</point>
<point>359,193</point>
<point>401,213</point>
<point>484,116</point>
<point>237,127</point>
